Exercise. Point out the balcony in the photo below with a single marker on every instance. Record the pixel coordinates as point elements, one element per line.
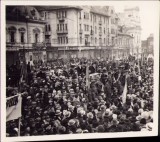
<point>92,32</point>
<point>61,19</point>
<point>80,31</point>
<point>100,22</point>
<point>38,45</point>
<point>62,31</point>
<point>48,33</point>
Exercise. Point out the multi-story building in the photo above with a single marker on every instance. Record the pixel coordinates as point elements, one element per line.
<point>24,35</point>
<point>147,46</point>
<point>80,31</point>
<point>131,20</point>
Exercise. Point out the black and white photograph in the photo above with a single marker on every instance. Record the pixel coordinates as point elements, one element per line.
<point>79,69</point>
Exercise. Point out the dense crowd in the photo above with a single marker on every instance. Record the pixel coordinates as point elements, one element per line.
<point>56,99</point>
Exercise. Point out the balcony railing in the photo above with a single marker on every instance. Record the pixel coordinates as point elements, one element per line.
<point>62,31</point>
<point>80,31</point>
<point>92,32</point>
<point>38,45</point>
<point>48,33</point>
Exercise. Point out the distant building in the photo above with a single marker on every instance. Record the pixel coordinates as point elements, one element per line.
<point>24,35</point>
<point>147,46</point>
<point>131,20</point>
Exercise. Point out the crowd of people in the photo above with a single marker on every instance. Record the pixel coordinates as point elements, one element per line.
<point>56,98</point>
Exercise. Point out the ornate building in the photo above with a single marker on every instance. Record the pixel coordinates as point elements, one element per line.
<point>24,35</point>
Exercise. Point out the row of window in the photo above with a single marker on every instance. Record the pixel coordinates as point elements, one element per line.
<point>63,40</point>
<point>86,28</point>
<point>122,41</point>
<point>61,14</point>
<point>94,17</point>
<point>47,28</point>
<point>95,41</point>
<point>62,27</point>
<point>12,37</point>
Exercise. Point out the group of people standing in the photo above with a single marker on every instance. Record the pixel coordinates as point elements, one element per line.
<point>85,96</point>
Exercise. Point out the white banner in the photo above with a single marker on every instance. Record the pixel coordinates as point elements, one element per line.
<point>13,107</point>
<point>124,94</point>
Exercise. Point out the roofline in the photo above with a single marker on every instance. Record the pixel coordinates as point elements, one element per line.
<point>52,9</point>
<point>100,14</point>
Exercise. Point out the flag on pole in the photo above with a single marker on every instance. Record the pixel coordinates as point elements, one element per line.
<point>124,94</point>
<point>13,107</point>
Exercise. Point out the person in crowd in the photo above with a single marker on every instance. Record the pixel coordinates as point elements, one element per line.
<point>55,99</point>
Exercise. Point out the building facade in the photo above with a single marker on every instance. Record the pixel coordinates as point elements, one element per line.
<point>80,31</point>
<point>24,35</point>
<point>131,20</point>
<point>147,46</point>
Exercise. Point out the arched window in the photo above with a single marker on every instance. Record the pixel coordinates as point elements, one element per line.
<point>36,32</point>
<point>36,38</point>
<point>12,32</point>
<point>22,32</point>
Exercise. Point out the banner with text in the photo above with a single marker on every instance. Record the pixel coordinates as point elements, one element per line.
<point>13,107</point>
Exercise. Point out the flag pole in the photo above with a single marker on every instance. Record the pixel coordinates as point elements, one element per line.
<point>19,126</point>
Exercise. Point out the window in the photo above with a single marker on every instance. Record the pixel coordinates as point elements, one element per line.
<point>80,26</point>
<point>95,29</point>
<point>91,17</point>
<point>36,38</point>
<point>30,57</point>
<point>46,28</point>
<point>100,41</point>
<point>66,27</point>
<point>49,28</point>
<point>22,37</point>
<point>104,40</point>
<point>12,36</point>
<point>104,20</point>
<point>80,40</point>
<point>66,40</point>
<point>91,27</point>
<point>95,18</point>
<point>95,40</point>
<point>58,27</point>
<point>91,40</point>
<point>79,15</point>
<point>104,30</point>
<point>65,12</point>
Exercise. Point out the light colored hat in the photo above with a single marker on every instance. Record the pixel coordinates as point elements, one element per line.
<point>114,116</point>
<point>71,122</point>
<point>90,115</point>
<point>140,111</point>
<point>139,117</point>
<point>66,113</point>
<point>82,112</point>
<point>145,115</point>
<point>130,110</point>
<point>79,130</point>
<point>79,109</point>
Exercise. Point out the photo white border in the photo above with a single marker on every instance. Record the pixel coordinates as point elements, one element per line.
<point>154,132</point>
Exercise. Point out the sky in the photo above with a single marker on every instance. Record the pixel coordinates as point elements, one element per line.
<point>149,14</point>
